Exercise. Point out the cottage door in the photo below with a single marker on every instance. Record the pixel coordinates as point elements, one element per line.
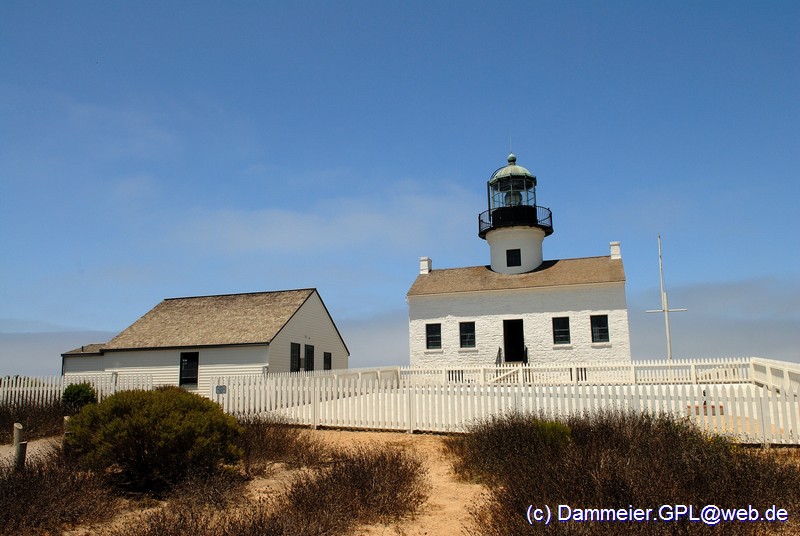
<point>513,340</point>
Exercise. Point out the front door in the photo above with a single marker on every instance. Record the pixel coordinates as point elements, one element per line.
<point>513,340</point>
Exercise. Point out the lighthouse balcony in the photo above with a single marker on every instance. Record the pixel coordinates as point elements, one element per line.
<point>521,215</point>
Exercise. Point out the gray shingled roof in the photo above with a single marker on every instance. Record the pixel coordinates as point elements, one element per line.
<point>253,318</point>
<point>87,349</point>
<point>551,273</point>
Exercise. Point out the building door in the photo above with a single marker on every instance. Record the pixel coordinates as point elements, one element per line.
<point>513,340</point>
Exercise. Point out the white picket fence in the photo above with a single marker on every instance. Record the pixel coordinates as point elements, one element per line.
<point>725,370</point>
<point>747,412</point>
<point>48,389</point>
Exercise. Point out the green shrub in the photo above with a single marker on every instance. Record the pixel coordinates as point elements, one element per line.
<point>153,439</point>
<point>78,395</point>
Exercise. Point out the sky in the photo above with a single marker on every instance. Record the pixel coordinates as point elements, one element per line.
<point>164,149</point>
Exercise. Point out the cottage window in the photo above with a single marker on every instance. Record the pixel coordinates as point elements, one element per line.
<point>188,369</point>
<point>513,257</point>
<point>600,328</point>
<point>467,334</point>
<point>294,357</point>
<point>327,361</point>
<point>309,361</point>
<point>433,336</point>
<point>561,330</point>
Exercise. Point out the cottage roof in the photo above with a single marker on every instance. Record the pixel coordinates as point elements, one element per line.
<point>231,319</point>
<point>552,273</point>
<point>87,349</point>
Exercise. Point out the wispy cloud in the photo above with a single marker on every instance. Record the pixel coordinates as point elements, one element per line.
<point>378,218</point>
<point>121,131</point>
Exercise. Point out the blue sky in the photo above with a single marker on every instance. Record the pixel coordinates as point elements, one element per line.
<point>162,149</point>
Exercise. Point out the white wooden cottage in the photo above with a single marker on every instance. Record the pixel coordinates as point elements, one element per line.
<point>186,341</point>
<point>520,308</point>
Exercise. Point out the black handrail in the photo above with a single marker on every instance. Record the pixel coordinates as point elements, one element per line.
<point>536,216</point>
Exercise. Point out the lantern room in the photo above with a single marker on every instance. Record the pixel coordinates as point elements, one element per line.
<point>511,193</point>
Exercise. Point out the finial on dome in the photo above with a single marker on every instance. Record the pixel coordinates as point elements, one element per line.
<point>512,159</point>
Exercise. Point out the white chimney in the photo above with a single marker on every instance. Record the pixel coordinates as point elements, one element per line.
<point>425,265</point>
<point>616,253</point>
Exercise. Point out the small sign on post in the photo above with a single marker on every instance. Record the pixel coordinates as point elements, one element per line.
<point>221,389</point>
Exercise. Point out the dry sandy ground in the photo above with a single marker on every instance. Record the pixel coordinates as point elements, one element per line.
<point>445,512</point>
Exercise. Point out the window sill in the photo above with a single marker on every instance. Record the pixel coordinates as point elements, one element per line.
<point>436,351</point>
<point>601,345</point>
<point>562,347</point>
<point>467,350</point>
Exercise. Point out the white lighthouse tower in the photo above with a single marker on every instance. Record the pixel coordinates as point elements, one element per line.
<point>515,225</point>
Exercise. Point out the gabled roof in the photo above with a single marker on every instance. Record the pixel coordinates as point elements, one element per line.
<point>554,273</point>
<point>87,349</point>
<point>231,319</point>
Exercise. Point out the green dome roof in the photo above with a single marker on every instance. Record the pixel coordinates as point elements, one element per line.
<point>512,170</point>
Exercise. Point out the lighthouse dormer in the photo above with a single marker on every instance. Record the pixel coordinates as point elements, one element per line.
<point>515,225</point>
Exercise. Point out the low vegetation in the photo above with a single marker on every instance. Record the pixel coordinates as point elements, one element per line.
<point>359,486</point>
<point>617,460</point>
<point>153,439</point>
<point>39,420</point>
<point>267,440</point>
<point>49,493</point>
<point>118,453</point>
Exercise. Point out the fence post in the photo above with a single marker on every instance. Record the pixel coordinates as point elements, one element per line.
<point>409,408</point>
<point>763,415</point>
<point>315,403</point>
<point>20,446</point>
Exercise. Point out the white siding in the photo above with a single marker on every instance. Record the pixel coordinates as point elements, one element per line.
<point>84,364</point>
<point>310,325</point>
<point>164,365</point>
<point>537,308</point>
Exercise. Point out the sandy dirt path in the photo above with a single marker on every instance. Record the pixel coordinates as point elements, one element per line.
<point>446,510</point>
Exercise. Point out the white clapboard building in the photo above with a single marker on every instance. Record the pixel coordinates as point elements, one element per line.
<point>520,308</point>
<point>186,341</point>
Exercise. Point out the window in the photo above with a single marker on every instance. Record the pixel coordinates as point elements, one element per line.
<point>467,334</point>
<point>189,364</point>
<point>513,257</point>
<point>433,336</point>
<point>561,330</point>
<point>309,361</point>
<point>294,358</point>
<point>327,361</point>
<point>600,328</point>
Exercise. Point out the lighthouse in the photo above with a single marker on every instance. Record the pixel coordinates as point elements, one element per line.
<point>519,308</point>
<point>514,225</point>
